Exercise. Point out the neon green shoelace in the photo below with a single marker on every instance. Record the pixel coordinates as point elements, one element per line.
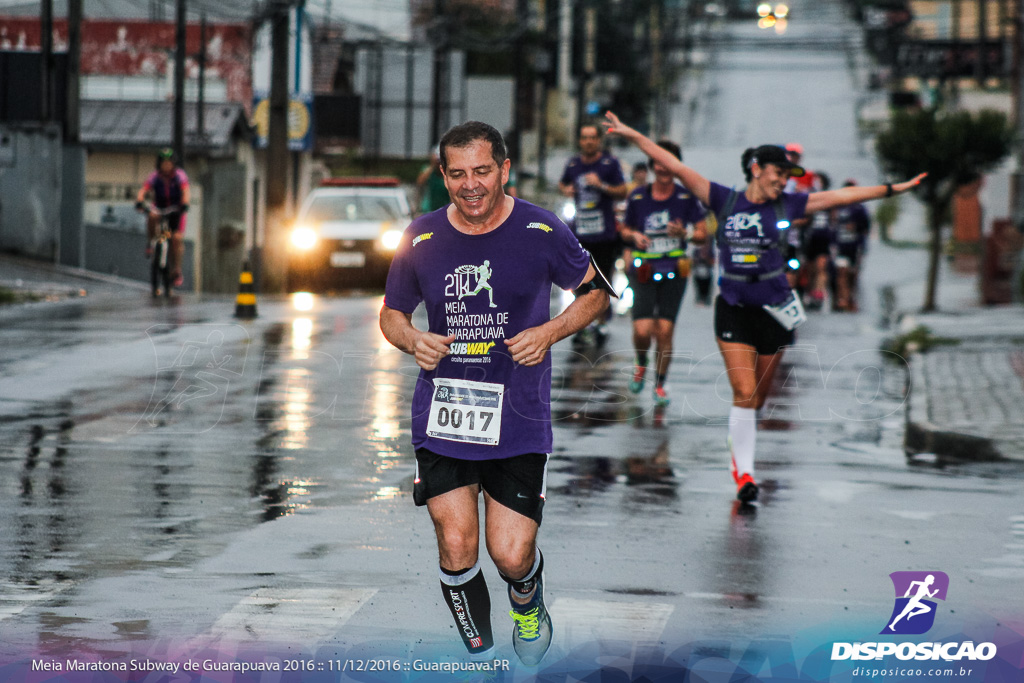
<point>528,623</point>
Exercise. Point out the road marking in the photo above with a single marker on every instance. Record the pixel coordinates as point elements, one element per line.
<point>306,615</point>
<point>19,597</point>
<point>584,621</point>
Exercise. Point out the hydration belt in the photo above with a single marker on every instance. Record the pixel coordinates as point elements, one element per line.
<point>675,253</point>
<point>780,215</point>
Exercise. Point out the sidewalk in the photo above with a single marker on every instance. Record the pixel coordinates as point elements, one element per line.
<point>43,288</point>
<point>966,397</point>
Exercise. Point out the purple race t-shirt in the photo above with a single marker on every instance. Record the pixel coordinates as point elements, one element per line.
<point>651,217</point>
<point>595,210</point>
<point>478,404</point>
<point>749,245</point>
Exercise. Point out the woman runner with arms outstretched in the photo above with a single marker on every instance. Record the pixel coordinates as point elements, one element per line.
<point>755,311</point>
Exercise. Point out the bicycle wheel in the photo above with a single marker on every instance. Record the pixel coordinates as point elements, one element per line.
<point>154,269</point>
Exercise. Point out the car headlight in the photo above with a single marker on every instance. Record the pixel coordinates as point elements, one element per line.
<point>390,239</point>
<point>304,238</point>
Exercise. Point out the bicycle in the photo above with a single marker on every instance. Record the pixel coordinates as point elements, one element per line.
<point>160,250</point>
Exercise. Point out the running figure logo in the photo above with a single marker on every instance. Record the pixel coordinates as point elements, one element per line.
<point>483,274</point>
<point>914,612</point>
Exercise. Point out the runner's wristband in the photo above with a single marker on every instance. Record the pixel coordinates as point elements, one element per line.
<point>888,189</point>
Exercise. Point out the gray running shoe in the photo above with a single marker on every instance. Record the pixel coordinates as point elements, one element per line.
<point>531,632</point>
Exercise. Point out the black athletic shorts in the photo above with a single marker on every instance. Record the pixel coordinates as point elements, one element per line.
<point>519,483</point>
<point>847,255</point>
<point>657,299</point>
<point>819,243</point>
<point>750,325</point>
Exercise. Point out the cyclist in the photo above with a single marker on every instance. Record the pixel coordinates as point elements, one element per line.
<point>755,311</point>
<point>169,187</point>
<point>656,219</point>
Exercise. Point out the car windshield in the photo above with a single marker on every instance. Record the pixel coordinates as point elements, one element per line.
<point>355,207</point>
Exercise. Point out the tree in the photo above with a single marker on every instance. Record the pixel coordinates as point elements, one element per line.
<point>954,148</point>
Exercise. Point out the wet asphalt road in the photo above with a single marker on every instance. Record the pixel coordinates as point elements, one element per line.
<point>169,474</point>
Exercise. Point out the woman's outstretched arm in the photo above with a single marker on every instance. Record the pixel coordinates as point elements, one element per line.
<point>831,199</point>
<point>694,182</point>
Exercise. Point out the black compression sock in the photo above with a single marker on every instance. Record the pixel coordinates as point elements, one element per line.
<point>465,593</point>
<point>661,379</point>
<point>641,358</point>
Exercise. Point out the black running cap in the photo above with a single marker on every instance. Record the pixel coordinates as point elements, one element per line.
<point>774,154</point>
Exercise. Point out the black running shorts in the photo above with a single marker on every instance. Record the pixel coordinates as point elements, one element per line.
<point>519,483</point>
<point>819,243</point>
<point>659,300</point>
<point>750,325</point>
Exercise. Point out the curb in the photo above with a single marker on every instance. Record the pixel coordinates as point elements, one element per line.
<point>922,436</point>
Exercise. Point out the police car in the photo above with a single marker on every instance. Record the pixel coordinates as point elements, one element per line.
<point>346,233</point>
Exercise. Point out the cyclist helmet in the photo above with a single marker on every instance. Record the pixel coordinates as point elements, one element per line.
<point>165,154</point>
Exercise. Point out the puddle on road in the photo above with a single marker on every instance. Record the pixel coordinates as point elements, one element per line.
<point>650,474</point>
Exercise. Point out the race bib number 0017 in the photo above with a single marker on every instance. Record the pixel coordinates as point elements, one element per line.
<point>465,411</point>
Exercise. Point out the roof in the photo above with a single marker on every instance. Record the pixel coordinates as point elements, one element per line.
<point>127,124</point>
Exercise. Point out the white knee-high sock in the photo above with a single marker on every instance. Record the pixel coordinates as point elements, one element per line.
<point>743,437</point>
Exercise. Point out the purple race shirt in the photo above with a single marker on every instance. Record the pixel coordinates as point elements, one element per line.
<point>651,217</point>
<point>595,210</point>
<point>749,246</point>
<point>478,404</point>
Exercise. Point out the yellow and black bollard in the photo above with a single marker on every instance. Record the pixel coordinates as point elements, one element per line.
<point>245,304</point>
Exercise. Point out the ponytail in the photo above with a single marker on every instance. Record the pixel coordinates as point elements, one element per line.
<point>745,161</point>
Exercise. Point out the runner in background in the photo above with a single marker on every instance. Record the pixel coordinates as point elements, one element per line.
<point>656,224</point>
<point>593,178</point>
<point>853,229</point>
<point>818,240</point>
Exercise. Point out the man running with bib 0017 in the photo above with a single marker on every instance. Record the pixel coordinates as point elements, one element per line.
<point>481,417</point>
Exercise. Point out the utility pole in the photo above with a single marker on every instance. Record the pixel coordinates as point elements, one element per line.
<point>515,144</point>
<point>563,73</point>
<point>656,68</point>
<point>440,66</point>
<point>46,56</point>
<point>589,62</point>
<point>565,43</point>
<point>980,68</point>
<point>72,127</point>
<point>1018,101</point>
<point>201,94</point>
<point>179,84</point>
<point>275,262</point>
